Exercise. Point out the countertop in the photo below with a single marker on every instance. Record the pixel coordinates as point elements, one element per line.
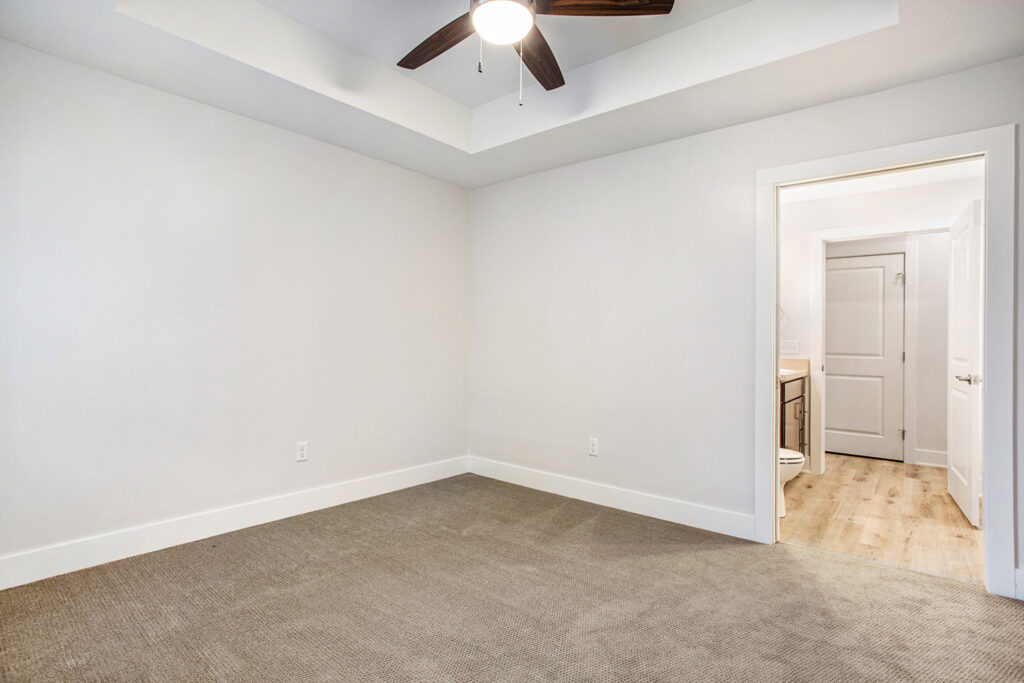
<point>788,375</point>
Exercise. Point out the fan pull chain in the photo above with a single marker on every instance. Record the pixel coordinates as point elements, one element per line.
<point>520,73</point>
<point>480,64</point>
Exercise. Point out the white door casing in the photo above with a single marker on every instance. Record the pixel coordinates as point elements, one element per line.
<point>864,312</point>
<point>999,147</point>
<point>964,422</point>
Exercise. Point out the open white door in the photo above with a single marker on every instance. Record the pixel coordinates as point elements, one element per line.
<point>864,355</point>
<point>963,478</point>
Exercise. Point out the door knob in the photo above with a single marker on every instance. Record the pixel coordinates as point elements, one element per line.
<point>969,379</point>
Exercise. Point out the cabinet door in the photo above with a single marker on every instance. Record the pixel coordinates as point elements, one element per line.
<point>792,425</point>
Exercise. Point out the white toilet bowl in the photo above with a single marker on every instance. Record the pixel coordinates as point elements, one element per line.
<point>790,464</point>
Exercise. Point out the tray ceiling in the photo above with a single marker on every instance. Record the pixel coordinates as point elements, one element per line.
<point>747,36</point>
<point>387,29</point>
<point>325,68</point>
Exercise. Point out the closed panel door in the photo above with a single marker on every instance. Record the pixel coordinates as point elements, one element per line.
<point>864,356</point>
<point>964,393</point>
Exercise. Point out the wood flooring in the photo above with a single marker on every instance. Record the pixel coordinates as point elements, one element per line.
<point>885,511</point>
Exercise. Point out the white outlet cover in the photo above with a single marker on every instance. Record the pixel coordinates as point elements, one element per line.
<point>790,347</point>
<point>592,446</point>
<point>302,451</point>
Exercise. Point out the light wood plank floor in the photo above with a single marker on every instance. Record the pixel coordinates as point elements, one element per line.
<point>885,511</point>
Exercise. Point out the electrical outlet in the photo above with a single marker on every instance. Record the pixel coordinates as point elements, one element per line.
<point>592,447</point>
<point>789,347</point>
<point>302,451</point>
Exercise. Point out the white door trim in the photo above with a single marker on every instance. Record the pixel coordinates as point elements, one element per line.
<point>999,147</point>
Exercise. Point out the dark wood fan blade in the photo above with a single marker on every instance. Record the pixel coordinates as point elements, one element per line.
<point>439,43</point>
<point>540,60</point>
<point>604,8</point>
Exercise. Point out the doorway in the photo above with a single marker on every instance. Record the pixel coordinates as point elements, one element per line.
<point>995,337</point>
<point>884,488</point>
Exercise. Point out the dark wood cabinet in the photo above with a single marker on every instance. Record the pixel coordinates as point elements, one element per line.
<point>793,415</point>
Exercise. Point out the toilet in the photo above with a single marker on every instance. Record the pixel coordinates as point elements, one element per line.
<point>790,464</point>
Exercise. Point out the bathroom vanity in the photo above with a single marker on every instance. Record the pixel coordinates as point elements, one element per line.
<point>794,396</point>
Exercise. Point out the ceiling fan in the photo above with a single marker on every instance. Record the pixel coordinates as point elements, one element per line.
<point>511,22</point>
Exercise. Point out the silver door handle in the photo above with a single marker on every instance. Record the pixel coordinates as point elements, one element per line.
<point>969,379</point>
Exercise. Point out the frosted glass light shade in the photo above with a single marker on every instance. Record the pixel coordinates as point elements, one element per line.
<point>502,22</point>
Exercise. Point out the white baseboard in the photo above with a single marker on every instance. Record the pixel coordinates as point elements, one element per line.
<point>670,509</point>
<point>925,456</point>
<point>40,563</point>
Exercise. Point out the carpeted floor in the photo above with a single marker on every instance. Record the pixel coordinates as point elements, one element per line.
<point>470,579</point>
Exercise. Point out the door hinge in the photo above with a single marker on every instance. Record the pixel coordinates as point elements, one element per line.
<point>902,277</point>
<point>903,434</point>
<point>904,356</point>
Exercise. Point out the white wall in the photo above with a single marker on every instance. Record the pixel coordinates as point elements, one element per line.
<point>931,355</point>
<point>927,261</point>
<point>615,298</point>
<point>185,293</point>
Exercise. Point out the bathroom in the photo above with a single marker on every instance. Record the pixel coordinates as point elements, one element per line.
<point>879,339</point>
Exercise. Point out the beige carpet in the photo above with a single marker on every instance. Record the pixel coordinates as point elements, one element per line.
<point>469,579</point>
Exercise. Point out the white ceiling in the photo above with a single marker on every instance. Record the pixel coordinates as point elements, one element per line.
<point>388,29</point>
<point>599,112</point>
<point>752,34</point>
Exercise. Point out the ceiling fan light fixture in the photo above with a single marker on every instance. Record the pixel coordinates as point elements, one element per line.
<point>502,22</point>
